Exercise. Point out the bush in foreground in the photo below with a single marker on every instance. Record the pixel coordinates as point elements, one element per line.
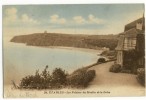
<point>115,68</point>
<point>141,75</point>
<point>44,80</point>
<point>81,78</point>
<point>101,60</point>
<point>58,79</point>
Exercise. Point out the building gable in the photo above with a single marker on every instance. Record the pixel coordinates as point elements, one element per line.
<point>135,23</point>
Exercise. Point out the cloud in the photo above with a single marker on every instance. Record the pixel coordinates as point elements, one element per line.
<point>79,19</point>
<point>90,20</point>
<point>12,18</point>
<point>11,15</point>
<point>11,11</point>
<point>93,19</point>
<point>55,19</point>
<point>26,19</point>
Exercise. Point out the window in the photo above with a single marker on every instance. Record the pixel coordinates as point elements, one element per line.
<point>129,43</point>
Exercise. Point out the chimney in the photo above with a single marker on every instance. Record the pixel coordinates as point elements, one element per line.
<point>139,26</point>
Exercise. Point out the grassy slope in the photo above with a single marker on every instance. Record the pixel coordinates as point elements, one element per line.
<point>69,40</point>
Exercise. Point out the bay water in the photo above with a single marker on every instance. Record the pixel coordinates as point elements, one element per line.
<point>20,60</point>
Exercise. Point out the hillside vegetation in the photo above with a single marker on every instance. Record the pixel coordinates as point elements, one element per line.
<point>68,40</point>
<point>58,79</point>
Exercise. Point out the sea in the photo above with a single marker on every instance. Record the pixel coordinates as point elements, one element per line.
<point>20,60</point>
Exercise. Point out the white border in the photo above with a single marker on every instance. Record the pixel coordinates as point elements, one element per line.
<point>13,2</point>
<point>25,2</point>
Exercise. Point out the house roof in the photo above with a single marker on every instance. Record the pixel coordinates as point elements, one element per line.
<point>120,43</point>
<point>133,24</point>
<point>132,33</point>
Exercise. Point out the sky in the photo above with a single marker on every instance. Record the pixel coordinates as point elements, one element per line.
<point>69,19</point>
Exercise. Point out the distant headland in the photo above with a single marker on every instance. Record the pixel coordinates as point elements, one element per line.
<point>68,40</point>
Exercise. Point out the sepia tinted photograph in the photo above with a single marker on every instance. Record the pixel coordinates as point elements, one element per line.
<point>73,50</point>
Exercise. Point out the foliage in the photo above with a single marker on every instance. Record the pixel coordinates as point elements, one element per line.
<point>130,58</point>
<point>58,79</point>
<point>115,68</point>
<point>140,44</point>
<point>131,54</point>
<point>109,43</point>
<point>31,81</point>
<point>111,54</point>
<point>80,70</point>
<point>44,80</point>
<point>81,78</point>
<point>141,75</point>
<point>82,41</point>
<point>101,60</point>
<point>90,75</point>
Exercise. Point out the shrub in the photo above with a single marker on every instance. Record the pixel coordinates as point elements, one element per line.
<point>90,75</point>
<point>37,81</point>
<point>81,78</point>
<point>131,54</point>
<point>141,75</point>
<point>129,62</point>
<point>115,68</point>
<point>79,70</point>
<point>58,77</point>
<point>44,80</point>
<point>76,78</point>
<point>101,60</point>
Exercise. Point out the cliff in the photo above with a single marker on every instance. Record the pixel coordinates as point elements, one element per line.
<point>69,40</point>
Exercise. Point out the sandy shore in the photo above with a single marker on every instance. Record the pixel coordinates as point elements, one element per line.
<point>98,51</point>
<point>104,84</point>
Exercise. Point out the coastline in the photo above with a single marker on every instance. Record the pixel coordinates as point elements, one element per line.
<point>93,51</point>
<point>75,50</point>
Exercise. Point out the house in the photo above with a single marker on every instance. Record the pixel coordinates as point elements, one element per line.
<point>132,39</point>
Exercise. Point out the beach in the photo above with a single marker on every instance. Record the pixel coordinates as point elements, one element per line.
<point>93,51</point>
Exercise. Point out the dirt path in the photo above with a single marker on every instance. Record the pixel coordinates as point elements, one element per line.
<point>119,83</point>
